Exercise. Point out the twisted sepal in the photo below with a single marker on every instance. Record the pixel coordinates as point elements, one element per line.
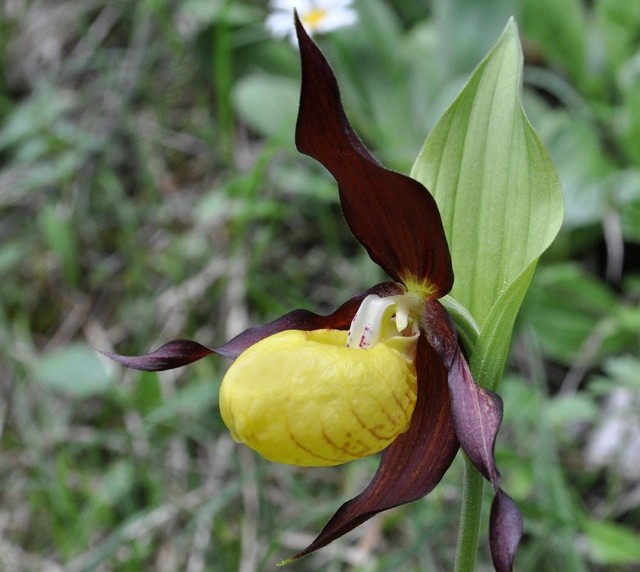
<point>505,531</point>
<point>171,355</point>
<point>178,353</point>
<point>477,415</point>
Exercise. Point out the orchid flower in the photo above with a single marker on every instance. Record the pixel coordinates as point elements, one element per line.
<point>385,371</point>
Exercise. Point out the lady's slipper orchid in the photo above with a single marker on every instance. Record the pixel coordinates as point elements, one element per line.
<point>385,371</point>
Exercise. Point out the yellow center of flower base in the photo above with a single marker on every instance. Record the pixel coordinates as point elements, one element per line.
<point>308,399</point>
<point>312,18</point>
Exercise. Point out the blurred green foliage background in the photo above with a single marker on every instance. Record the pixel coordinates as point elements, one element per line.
<point>150,189</point>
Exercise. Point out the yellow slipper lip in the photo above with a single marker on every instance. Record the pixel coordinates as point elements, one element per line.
<point>305,398</point>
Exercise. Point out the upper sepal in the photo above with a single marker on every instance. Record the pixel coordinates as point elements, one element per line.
<point>393,216</point>
<point>414,463</point>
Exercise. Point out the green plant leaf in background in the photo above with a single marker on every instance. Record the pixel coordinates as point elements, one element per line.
<point>569,308</point>
<point>75,371</point>
<point>58,230</point>
<point>268,104</point>
<point>609,543</point>
<point>618,21</point>
<point>558,30</point>
<point>497,191</point>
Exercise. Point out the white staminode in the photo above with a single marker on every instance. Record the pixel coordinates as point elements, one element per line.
<point>383,320</point>
<point>317,16</point>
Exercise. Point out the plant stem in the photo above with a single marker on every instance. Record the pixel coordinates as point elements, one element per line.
<point>469,519</point>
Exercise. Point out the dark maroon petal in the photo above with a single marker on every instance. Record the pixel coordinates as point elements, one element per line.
<point>413,464</point>
<point>505,531</point>
<point>183,352</point>
<point>440,331</point>
<point>393,216</point>
<point>477,412</point>
<point>170,356</point>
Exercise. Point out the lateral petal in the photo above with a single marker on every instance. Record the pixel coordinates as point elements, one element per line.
<point>477,412</point>
<point>413,464</point>
<point>178,353</point>
<point>393,216</point>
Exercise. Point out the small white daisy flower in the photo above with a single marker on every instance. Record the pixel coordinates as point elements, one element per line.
<point>317,16</point>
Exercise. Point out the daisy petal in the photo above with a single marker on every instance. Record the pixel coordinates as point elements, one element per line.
<point>393,216</point>
<point>413,464</point>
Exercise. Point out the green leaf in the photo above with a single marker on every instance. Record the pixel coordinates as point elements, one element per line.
<point>610,543</point>
<point>584,170</point>
<point>466,29</point>
<point>618,21</point>
<point>563,411</point>
<point>570,313</point>
<point>202,13</point>
<point>492,346</point>
<point>620,372</point>
<point>192,401</point>
<point>147,393</point>
<point>627,116</point>
<point>268,104</point>
<point>75,370</point>
<point>496,188</point>
<point>557,29</point>
<point>59,232</point>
